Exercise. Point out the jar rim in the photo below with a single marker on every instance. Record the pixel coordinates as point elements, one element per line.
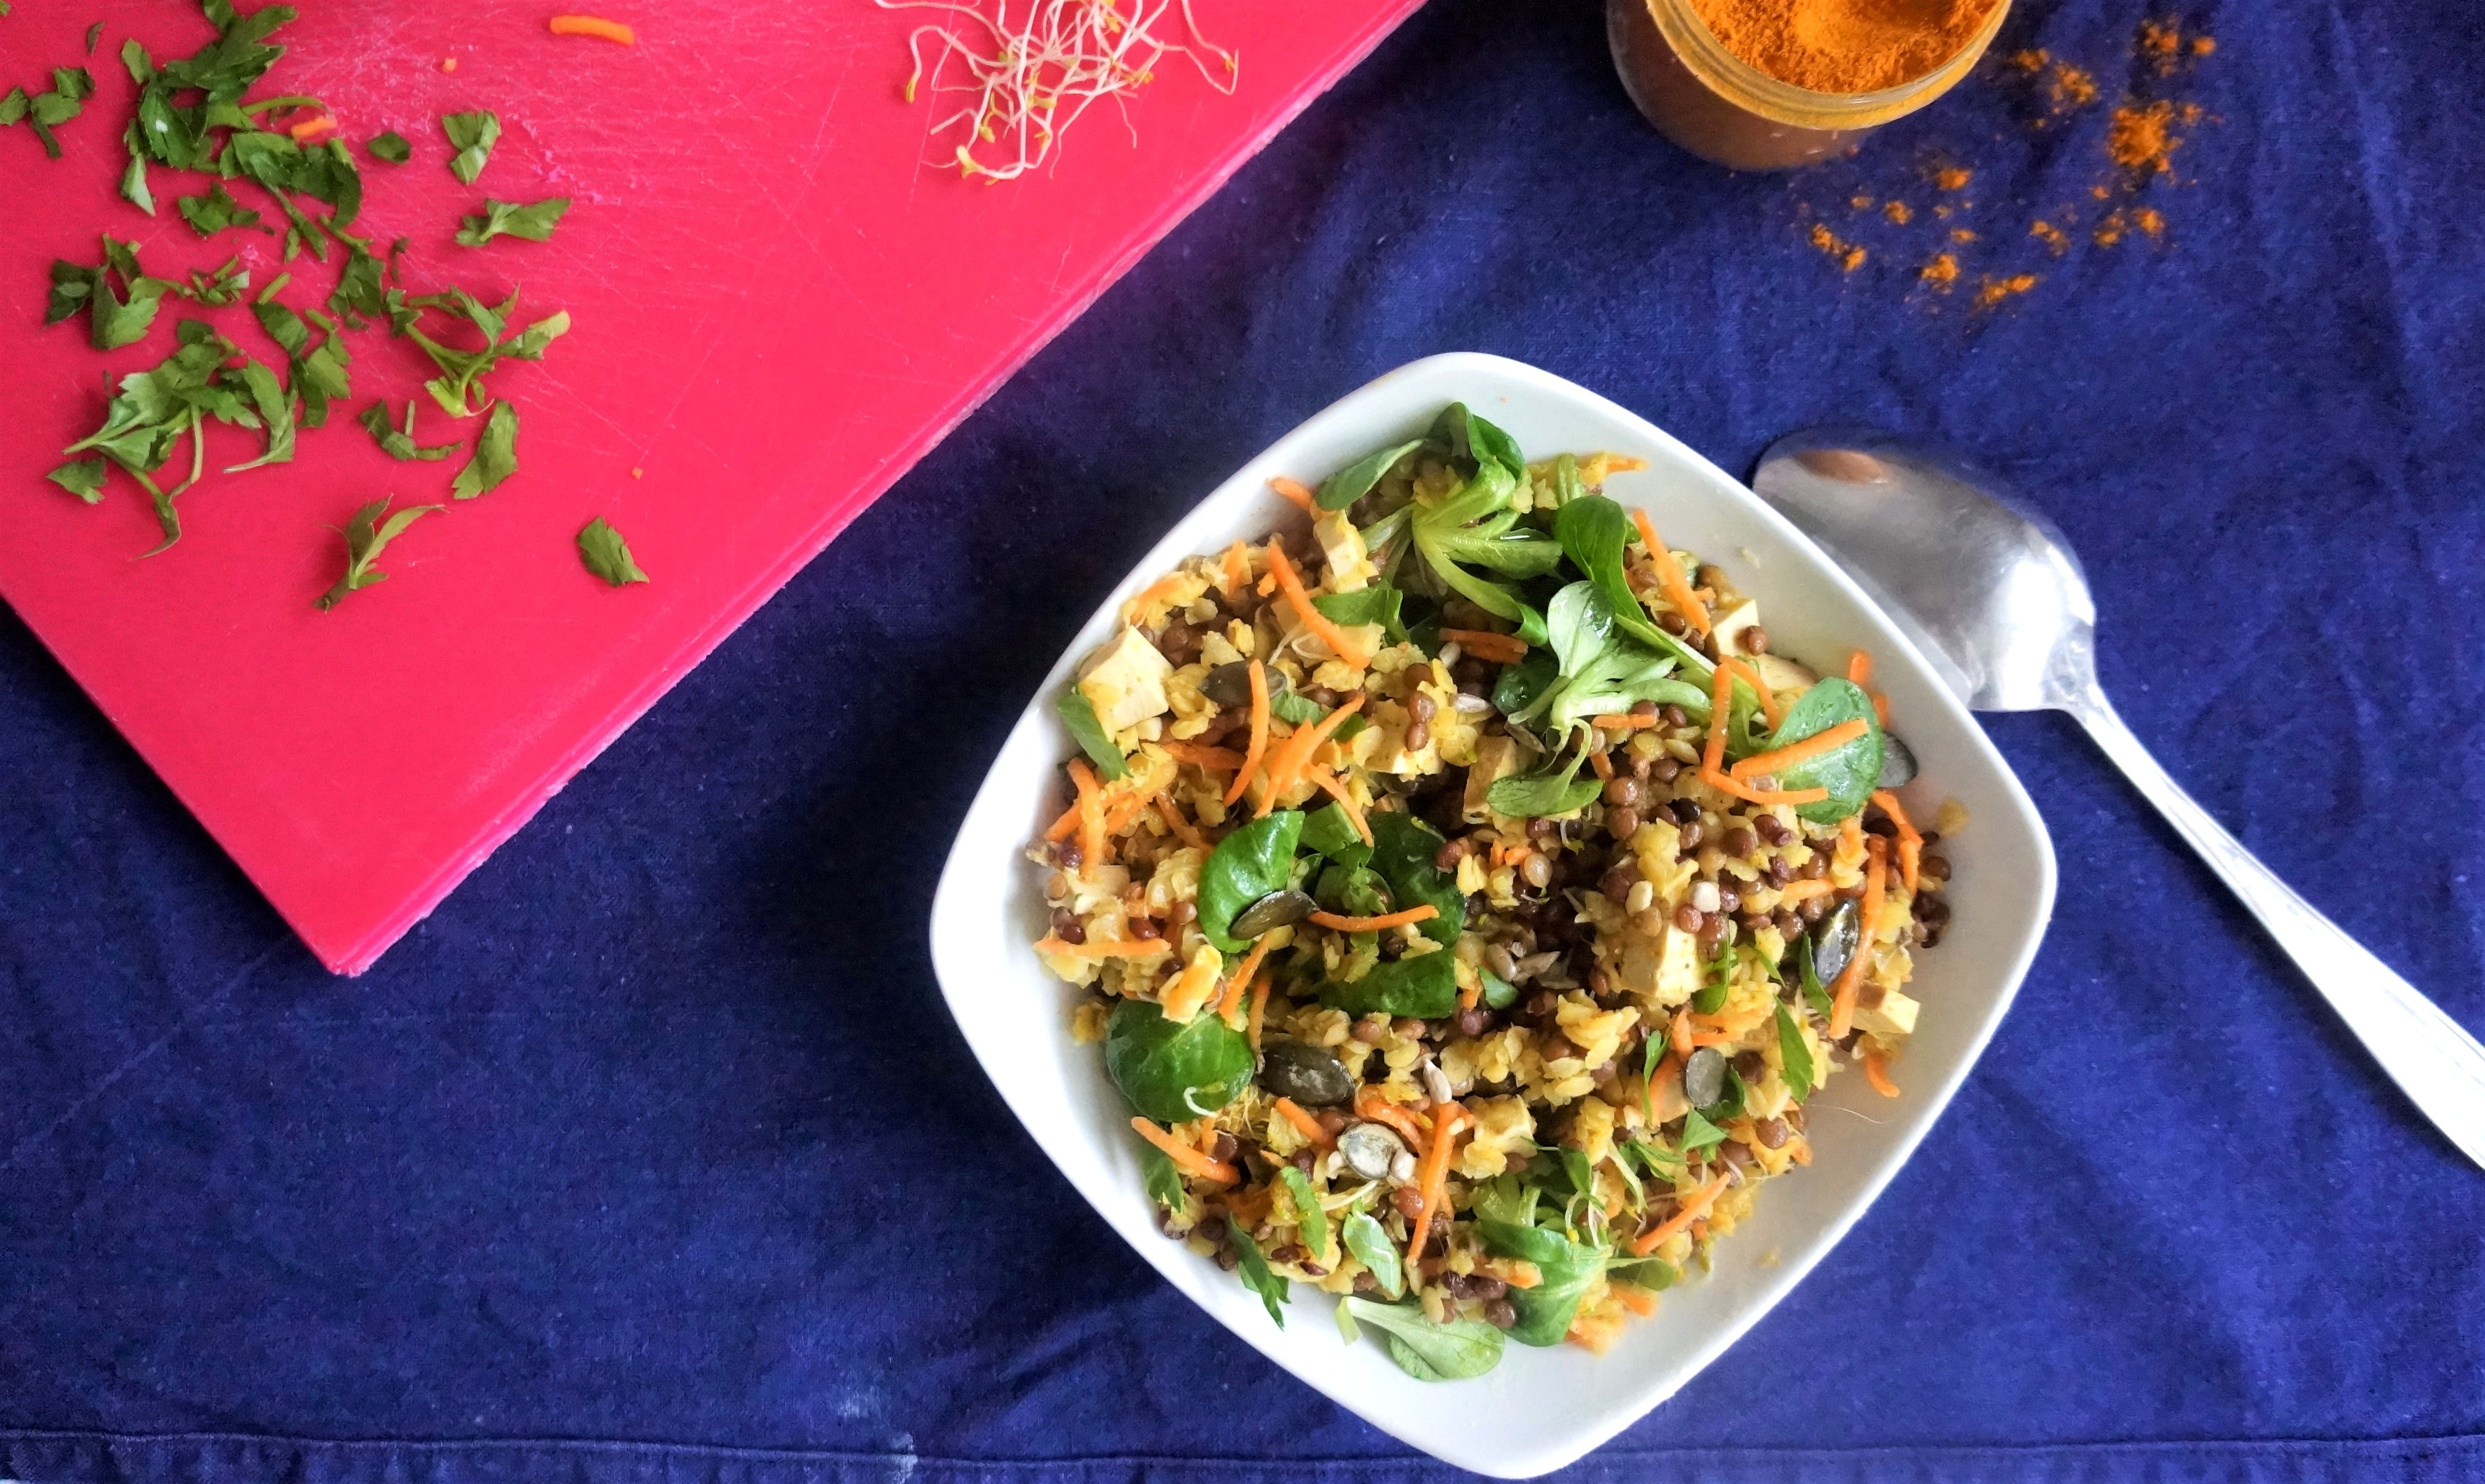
<point>1739,81</point>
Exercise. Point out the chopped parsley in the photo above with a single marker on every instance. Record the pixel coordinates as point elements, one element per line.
<point>473,136</point>
<point>502,218</point>
<point>364,540</point>
<point>606,554</point>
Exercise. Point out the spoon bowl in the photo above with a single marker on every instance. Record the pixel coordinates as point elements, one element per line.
<point>1991,593</point>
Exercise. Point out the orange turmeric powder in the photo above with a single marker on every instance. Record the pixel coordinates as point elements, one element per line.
<point>1844,45</point>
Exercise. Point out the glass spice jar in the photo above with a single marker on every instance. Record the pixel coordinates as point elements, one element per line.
<point>1722,108</point>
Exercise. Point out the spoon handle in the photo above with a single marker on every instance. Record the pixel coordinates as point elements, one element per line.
<point>2437,1063</point>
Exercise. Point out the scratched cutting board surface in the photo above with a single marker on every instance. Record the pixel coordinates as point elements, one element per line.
<point>778,308</point>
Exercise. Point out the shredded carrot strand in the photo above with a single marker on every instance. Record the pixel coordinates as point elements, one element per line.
<point>1328,784</point>
<point>1601,765</point>
<point>1679,1035</point>
<point>1237,572</point>
<point>1061,828</point>
<point>1154,591</point>
<point>1201,755</point>
<point>1802,1149</point>
<point>1639,1301</point>
<point>1288,764</point>
<point>1619,723</point>
<point>1850,829</point>
<point>1484,644</point>
<point>1193,988</point>
<point>595,26</point>
<point>1121,815</point>
<point>1259,674</point>
<point>1694,1207</point>
<point>1091,812</point>
<point>321,125</point>
<point>1185,1158</point>
<point>1828,740</point>
<point>1803,890</point>
<point>1517,1272</point>
<point>1292,585</point>
<point>1235,986</point>
<point>1471,994</point>
<point>1850,983</point>
<point>1668,576</point>
<point>1880,708</point>
<point>1421,913</point>
<point>1727,783</point>
<point>1876,1072</point>
<point>1769,707</point>
<point>1184,831</point>
<point>1372,1106</point>
<point>1911,840</point>
<point>1258,1009</point>
<point>1295,492</point>
<point>1859,667</point>
<point>1303,1121</point>
<point>1433,1182</point>
<point>1094,948</point>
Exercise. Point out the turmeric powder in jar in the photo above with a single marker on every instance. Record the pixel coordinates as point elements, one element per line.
<point>1772,84</point>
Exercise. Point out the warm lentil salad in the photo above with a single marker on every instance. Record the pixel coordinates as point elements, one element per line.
<point>1470,898</point>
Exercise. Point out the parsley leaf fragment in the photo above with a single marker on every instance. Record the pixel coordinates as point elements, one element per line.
<point>496,456</point>
<point>83,478</point>
<point>473,136</point>
<point>155,409</point>
<point>390,146</point>
<point>365,537</point>
<point>316,374</point>
<point>215,210</point>
<point>400,445</point>
<point>115,318</point>
<point>219,290</point>
<point>606,554</point>
<point>459,369</point>
<point>64,100</point>
<point>500,218</point>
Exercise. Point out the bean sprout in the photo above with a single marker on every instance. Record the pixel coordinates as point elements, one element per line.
<point>1028,80</point>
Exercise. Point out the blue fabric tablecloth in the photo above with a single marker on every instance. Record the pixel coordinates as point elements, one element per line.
<point>652,1156</point>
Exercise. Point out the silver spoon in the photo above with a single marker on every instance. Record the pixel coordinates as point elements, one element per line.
<point>1993,595</point>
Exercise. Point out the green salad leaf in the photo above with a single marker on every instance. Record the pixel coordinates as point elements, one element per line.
<point>1078,715</point>
<point>1424,987</point>
<point>1256,1274</point>
<point>1175,1072</point>
<point>1371,1246</point>
<point>1569,1267</point>
<point>1309,1219</point>
<point>1457,1351</point>
<point>1161,1180</point>
<point>1246,866</point>
<point>1406,852</point>
<point>607,556</point>
<point>1330,832</point>
<point>1794,1057</point>
<point>1375,603</point>
<point>1850,772</point>
<point>1357,479</point>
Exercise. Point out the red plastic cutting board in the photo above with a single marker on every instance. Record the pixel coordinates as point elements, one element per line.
<point>778,309</point>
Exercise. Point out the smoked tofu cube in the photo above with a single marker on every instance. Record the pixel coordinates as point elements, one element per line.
<point>1731,623</point>
<point>1893,1020</point>
<point>1665,969</point>
<point>1350,565</point>
<point>1125,682</point>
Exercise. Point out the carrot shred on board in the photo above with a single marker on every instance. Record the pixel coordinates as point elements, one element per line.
<point>1295,492</point>
<point>1669,576</point>
<point>1639,1301</point>
<point>1202,755</point>
<point>1911,840</point>
<point>1601,765</point>
<point>1234,987</point>
<point>1108,948</point>
<point>1484,644</point>
<point>1433,1184</point>
<point>1288,764</point>
<point>1184,830</point>
<point>1769,707</point>
<point>1237,572</point>
<point>1803,890</point>
<point>1304,1123</point>
<point>1258,1009</point>
<point>1727,783</point>
<point>1619,723</point>
<point>595,26</point>
<point>1850,983</point>
<point>1421,913</point>
<point>1827,740</point>
<point>1292,585</point>
<point>322,124</point>
<point>1876,1072</point>
<point>1694,1207</point>
<point>1721,703</point>
<point>1091,811</point>
<point>1329,784</point>
<point>1185,1158</point>
<point>1259,745</point>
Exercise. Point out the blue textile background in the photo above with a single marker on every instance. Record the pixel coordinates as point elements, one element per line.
<point>653,1156</point>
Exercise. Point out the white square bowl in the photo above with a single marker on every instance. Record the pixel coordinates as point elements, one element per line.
<point>1540,1408</point>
